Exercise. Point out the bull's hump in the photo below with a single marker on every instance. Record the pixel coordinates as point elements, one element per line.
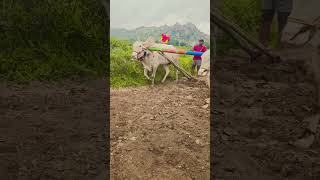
<point>157,45</point>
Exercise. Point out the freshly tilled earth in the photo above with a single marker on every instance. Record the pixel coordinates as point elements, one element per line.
<point>53,130</point>
<point>161,132</point>
<point>258,109</point>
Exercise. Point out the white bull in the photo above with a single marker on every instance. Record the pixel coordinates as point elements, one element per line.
<point>307,12</point>
<point>151,60</point>
<point>204,70</point>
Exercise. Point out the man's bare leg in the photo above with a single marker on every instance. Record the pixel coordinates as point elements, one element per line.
<point>193,68</point>
<point>265,28</point>
<point>198,68</point>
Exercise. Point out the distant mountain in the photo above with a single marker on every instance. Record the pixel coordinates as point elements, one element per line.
<point>183,34</point>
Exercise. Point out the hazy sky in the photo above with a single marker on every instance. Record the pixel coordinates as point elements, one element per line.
<point>131,14</point>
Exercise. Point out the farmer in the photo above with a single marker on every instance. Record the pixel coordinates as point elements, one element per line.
<point>283,9</point>
<point>197,59</point>
<point>165,38</point>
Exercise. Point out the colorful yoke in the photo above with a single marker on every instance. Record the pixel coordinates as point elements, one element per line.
<point>177,51</point>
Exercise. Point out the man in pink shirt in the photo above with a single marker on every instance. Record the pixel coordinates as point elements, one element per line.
<point>197,59</point>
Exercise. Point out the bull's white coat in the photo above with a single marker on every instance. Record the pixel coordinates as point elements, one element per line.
<point>205,66</point>
<point>152,60</point>
<point>307,11</point>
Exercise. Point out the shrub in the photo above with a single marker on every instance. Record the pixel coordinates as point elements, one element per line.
<point>51,40</point>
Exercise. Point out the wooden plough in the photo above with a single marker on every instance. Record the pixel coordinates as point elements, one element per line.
<point>184,72</point>
<point>312,27</point>
<point>246,42</point>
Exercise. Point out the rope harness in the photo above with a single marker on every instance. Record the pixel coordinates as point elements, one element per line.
<point>144,51</point>
<point>313,28</point>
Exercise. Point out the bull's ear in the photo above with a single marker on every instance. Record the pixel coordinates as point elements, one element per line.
<point>149,42</point>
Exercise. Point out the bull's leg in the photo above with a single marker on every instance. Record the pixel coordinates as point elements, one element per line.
<point>166,68</point>
<point>177,76</point>
<point>154,74</point>
<point>177,72</point>
<point>146,74</point>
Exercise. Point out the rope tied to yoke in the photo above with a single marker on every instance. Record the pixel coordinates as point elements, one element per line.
<point>312,27</point>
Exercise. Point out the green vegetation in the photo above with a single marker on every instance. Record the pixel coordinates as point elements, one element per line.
<point>125,72</point>
<point>247,15</point>
<point>51,40</point>
<point>176,43</point>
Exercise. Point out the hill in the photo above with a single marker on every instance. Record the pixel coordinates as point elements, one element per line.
<point>181,34</point>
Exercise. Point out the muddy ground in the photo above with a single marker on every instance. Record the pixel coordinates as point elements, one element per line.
<point>161,132</point>
<point>258,109</point>
<point>53,130</point>
<point>56,131</point>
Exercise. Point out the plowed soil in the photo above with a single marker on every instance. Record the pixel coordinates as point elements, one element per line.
<point>160,132</point>
<point>53,130</point>
<point>258,109</point>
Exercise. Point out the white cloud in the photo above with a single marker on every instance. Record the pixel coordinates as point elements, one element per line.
<point>135,13</point>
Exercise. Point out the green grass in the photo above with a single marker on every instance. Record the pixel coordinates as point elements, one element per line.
<point>21,66</point>
<point>247,15</point>
<point>52,41</point>
<point>125,72</point>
